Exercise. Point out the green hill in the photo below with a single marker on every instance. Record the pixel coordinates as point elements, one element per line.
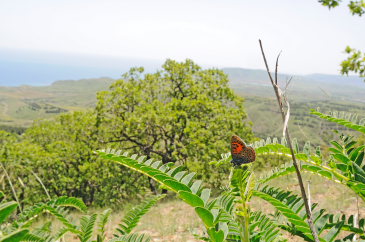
<point>19,106</point>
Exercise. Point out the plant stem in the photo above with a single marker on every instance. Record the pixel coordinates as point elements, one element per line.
<point>245,191</point>
<point>40,181</point>
<point>247,224</point>
<point>12,187</point>
<point>297,170</point>
<point>245,232</point>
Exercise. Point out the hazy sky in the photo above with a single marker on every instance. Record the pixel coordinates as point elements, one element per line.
<point>218,33</point>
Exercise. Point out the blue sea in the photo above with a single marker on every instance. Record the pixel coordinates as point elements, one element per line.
<point>41,68</point>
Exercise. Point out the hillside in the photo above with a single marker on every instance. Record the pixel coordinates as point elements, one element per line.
<point>19,106</point>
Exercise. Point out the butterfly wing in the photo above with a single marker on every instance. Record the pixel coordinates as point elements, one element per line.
<point>241,153</point>
<point>237,146</point>
<point>249,155</point>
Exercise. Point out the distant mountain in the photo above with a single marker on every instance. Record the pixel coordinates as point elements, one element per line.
<point>337,79</point>
<point>257,75</point>
<point>307,87</point>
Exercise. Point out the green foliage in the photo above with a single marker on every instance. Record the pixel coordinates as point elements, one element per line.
<point>6,209</point>
<point>132,238</point>
<point>15,236</point>
<point>180,113</point>
<point>262,228</point>
<point>87,227</point>
<point>275,197</point>
<point>347,157</point>
<point>178,181</point>
<point>22,228</point>
<point>19,229</point>
<point>60,154</point>
<point>131,219</point>
<point>356,7</point>
<point>291,206</point>
<point>222,216</point>
<point>345,164</point>
<point>103,220</point>
<point>355,62</point>
<point>229,217</point>
<point>349,121</point>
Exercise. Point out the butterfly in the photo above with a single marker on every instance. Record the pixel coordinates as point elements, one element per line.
<point>241,153</point>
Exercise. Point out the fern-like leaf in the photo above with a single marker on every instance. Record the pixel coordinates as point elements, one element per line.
<point>6,209</point>
<point>131,219</point>
<point>134,237</point>
<point>335,119</point>
<point>16,236</point>
<point>103,220</point>
<point>288,205</point>
<point>262,228</point>
<point>291,207</point>
<point>175,179</point>
<point>69,202</point>
<point>87,227</point>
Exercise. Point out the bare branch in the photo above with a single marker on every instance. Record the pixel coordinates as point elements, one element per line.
<point>276,68</point>
<point>286,120</point>
<point>287,84</point>
<point>279,96</point>
<point>267,67</point>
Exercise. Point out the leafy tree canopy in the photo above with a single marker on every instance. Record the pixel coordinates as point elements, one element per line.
<point>60,153</point>
<point>180,113</point>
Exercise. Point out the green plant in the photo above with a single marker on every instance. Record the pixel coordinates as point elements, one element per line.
<point>228,217</point>
<point>22,227</point>
<point>344,164</point>
<point>56,157</point>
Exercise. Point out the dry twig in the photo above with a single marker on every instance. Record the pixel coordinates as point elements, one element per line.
<point>281,99</point>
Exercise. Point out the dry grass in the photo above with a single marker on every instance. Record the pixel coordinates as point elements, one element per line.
<point>170,220</point>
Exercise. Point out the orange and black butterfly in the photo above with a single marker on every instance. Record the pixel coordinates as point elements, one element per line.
<point>241,153</point>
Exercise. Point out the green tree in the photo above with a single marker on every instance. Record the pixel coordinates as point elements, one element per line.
<point>180,113</point>
<point>355,61</point>
<point>60,153</point>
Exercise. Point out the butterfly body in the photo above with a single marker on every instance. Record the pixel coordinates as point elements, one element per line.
<point>241,153</point>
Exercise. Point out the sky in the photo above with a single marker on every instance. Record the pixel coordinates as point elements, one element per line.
<point>210,32</point>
